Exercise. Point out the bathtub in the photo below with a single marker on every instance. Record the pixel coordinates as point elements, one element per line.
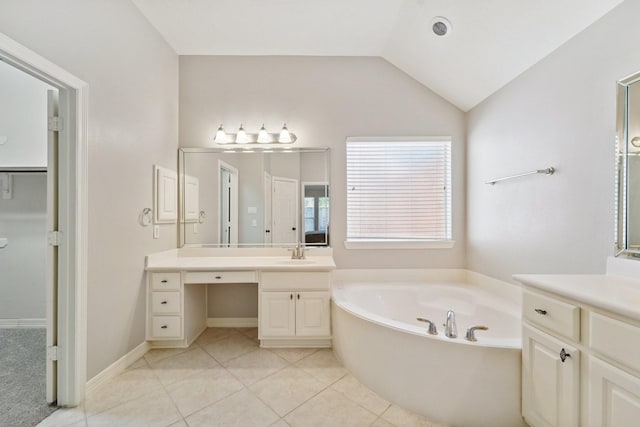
<point>451,381</point>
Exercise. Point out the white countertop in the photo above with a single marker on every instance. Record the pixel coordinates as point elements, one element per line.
<point>198,259</point>
<point>616,294</point>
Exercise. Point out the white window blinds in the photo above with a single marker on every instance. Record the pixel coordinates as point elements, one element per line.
<point>399,189</point>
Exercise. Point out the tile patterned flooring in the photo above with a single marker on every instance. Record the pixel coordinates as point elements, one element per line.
<point>226,379</point>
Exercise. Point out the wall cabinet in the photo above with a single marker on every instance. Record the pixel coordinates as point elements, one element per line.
<point>294,309</point>
<point>580,364</point>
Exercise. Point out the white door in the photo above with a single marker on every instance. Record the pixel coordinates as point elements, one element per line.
<point>550,386</point>
<point>268,190</point>
<point>277,314</point>
<point>228,203</point>
<point>312,314</point>
<point>284,208</point>
<point>614,396</point>
<point>52,250</point>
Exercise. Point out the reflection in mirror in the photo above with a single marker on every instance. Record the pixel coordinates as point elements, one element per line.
<point>628,165</point>
<point>239,197</point>
<point>315,196</point>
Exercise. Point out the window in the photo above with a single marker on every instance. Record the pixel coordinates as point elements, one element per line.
<point>399,192</point>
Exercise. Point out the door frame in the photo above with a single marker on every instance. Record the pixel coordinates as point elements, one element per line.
<point>73,208</point>
<point>233,203</point>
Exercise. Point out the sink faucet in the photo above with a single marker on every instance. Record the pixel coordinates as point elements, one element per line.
<point>450,329</point>
<point>298,252</point>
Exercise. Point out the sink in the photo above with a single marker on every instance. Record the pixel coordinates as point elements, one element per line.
<point>296,262</point>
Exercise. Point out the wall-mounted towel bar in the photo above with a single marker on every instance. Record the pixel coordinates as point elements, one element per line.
<point>26,169</point>
<point>547,171</point>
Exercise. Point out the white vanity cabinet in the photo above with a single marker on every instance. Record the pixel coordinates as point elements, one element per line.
<point>176,314</point>
<point>294,309</point>
<point>550,362</point>
<point>614,371</point>
<point>598,383</point>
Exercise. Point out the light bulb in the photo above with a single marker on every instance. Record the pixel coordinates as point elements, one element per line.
<point>221,136</point>
<point>263,136</point>
<point>241,137</point>
<point>285,136</point>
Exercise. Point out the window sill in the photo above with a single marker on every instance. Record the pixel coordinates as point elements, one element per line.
<point>399,244</point>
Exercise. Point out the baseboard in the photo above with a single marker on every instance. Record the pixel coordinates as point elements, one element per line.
<point>232,322</point>
<point>23,323</point>
<point>117,367</point>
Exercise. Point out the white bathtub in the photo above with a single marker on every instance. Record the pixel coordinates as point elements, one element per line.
<point>452,381</point>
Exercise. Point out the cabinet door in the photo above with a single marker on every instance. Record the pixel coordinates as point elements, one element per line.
<point>312,314</point>
<point>550,387</point>
<point>614,396</point>
<point>278,312</point>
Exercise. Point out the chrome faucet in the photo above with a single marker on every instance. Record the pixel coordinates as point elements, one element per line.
<point>298,252</point>
<point>450,329</point>
<point>471,336</point>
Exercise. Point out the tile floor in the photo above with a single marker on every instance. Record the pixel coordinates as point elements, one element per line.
<point>225,379</point>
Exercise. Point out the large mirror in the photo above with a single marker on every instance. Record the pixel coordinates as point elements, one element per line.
<point>628,165</point>
<point>240,197</point>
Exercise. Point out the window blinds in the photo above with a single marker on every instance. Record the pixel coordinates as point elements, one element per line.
<point>398,190</point>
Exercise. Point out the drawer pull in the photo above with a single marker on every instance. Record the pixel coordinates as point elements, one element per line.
<point>541,311</point>
<point>163,302</point>
<point>163,281</point>
<point>564,355</point>
<point>290,296</point>
<point>298,296</point>
<point>218,277</point>
<point>165,327</point>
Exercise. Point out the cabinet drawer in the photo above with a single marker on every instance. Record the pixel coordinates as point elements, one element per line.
<point>165,281</point>
<point>220,277</point>
<point>165,302</point>
<point>557,316</point>
<point>617,340</point>
<point>296,280</point>
<point>165,327</point>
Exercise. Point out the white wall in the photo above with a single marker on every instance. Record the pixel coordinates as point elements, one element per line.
<point>23,221</point>
<point>559,113</point>
<point>132,75</point>
<point>23,118</point>
<point>324,100</point>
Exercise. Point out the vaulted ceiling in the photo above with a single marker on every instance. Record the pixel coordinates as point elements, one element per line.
<point>490,41</point>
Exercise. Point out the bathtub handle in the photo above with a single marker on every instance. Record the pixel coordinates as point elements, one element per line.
<point>540,311</point>
<point>432,326</point>
<point>471,332</point>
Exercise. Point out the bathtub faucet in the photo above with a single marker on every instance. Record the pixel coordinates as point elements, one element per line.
<point>450,329</point>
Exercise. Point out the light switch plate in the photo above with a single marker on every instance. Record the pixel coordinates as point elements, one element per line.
<point>156,231</point>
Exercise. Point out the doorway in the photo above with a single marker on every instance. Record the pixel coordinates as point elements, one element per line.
<point>228,176</point>
<point>69,239</point>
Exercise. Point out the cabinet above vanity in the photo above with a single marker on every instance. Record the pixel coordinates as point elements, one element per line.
<point>293,294</point>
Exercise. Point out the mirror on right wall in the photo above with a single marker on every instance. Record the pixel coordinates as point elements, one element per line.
<point>628,166</point>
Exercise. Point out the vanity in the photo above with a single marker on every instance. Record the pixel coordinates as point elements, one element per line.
<point>293,294</point>
<point>581,348</point>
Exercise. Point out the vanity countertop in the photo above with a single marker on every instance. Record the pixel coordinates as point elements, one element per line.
<point>617,294</point>
<point>238,259</point>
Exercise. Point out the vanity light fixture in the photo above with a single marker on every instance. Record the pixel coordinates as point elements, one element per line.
<point>241,136</point>
<point>285,135</point>
<point>221,136</point>
<point>263,137</point>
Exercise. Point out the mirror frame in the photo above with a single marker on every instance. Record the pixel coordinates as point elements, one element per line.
<point>622,167</point>
<point>271,149</point>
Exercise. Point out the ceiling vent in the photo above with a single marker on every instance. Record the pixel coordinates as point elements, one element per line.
<point>440,26</point>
